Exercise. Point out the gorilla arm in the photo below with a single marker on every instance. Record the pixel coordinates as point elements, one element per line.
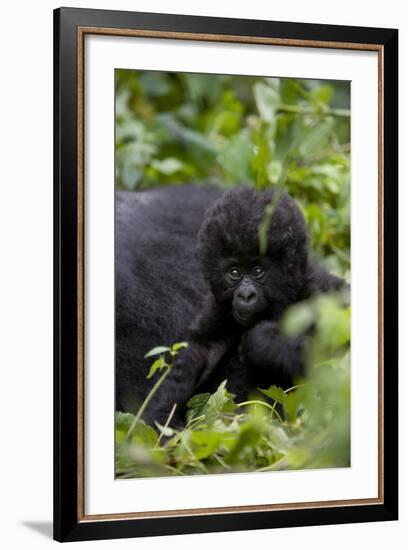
<point>264,347</point>
<point>207,344</point>
<point>318,280</point>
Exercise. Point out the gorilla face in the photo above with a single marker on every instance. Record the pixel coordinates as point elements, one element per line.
<point>244,288</point>
<point>255,288</point>
<point>248,285</point>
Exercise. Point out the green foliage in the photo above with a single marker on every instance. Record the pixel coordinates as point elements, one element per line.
<point>160,363</point>
<point>292,134</point>
<point>311,429</point>
<point>275,393</point>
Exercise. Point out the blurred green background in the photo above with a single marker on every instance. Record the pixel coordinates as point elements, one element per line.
<point>180,127</point>
<point>173,128</point>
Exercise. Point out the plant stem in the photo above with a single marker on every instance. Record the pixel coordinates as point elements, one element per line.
<point>298,386</point>
<point>195,420</point>
<point>276,412</point>
<point>174,470</point>
<point>195,460</point>
<point>275,466</point>
<point>167,421</point>
<point>256,402</point>
<point>220,460</point>
<point>311,111</point>
<point>146,402</point>
<point>287,391</point>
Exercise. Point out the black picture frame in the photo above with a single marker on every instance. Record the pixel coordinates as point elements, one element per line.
<point>69,524</point>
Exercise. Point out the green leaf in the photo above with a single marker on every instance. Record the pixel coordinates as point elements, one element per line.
<point>157,351</point>
<point>274,171</point>
<point>159,364</point>
<point>276,393</point>
<point>179,345</point>
<point>196,406</point>
<point>291,406</point>
<point>130,129</point>
<point>333,323</point>
<point>263,140</point>
<point>167,166</point>
<point>123,421</point>
<point>250,435</point>
<point>155,84</point>
<point>298,457</point>
<point>298,319</point>
<point>317,138</point>
<point>187,135</point>
<point>201,87</point>
<point>198,401</point>
<point>143,434</point>
<point>265,225</point>
<point>166,431</point>
<point>321,95</point>
<point>211,406</point>
<point>204,443</point>
<point>279,439</point>
<point>218,402</point>
<point>235,156</point>
<point>267,99</point>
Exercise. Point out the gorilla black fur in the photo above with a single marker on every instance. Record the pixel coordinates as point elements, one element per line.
<point>226,300</point>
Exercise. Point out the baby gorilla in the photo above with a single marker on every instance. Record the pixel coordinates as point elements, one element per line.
<point>235,336</point>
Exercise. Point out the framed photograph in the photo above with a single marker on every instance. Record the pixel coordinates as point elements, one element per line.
<point>225,243</point>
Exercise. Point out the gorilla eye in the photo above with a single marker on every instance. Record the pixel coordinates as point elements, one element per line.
<point>258,272</point>
<point>234,273</point>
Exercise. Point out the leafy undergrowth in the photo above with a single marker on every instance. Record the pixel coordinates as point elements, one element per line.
<point>306,426</point>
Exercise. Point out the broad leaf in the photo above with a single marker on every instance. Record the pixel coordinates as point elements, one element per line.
<point>157,351</point>
<point>276,393</point>
<point>159,364</point>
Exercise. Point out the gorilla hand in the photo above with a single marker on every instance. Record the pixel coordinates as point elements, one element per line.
<point>191,368</point>
<point>264,347</point>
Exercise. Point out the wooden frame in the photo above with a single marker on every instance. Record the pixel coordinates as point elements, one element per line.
<point>70,27</point>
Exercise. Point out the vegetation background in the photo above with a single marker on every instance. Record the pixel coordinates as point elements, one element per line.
<point>173,128</point>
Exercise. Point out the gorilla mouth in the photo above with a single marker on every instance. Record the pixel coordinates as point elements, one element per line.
<point>243,317</point>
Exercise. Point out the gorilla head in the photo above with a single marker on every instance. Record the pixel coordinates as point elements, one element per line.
<point>249,285</point>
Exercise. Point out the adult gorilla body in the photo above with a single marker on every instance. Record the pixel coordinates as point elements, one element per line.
<point>159,284</point>
<point>226,303</point>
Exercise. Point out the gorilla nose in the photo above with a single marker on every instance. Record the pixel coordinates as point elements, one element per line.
<point>247,295</point>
